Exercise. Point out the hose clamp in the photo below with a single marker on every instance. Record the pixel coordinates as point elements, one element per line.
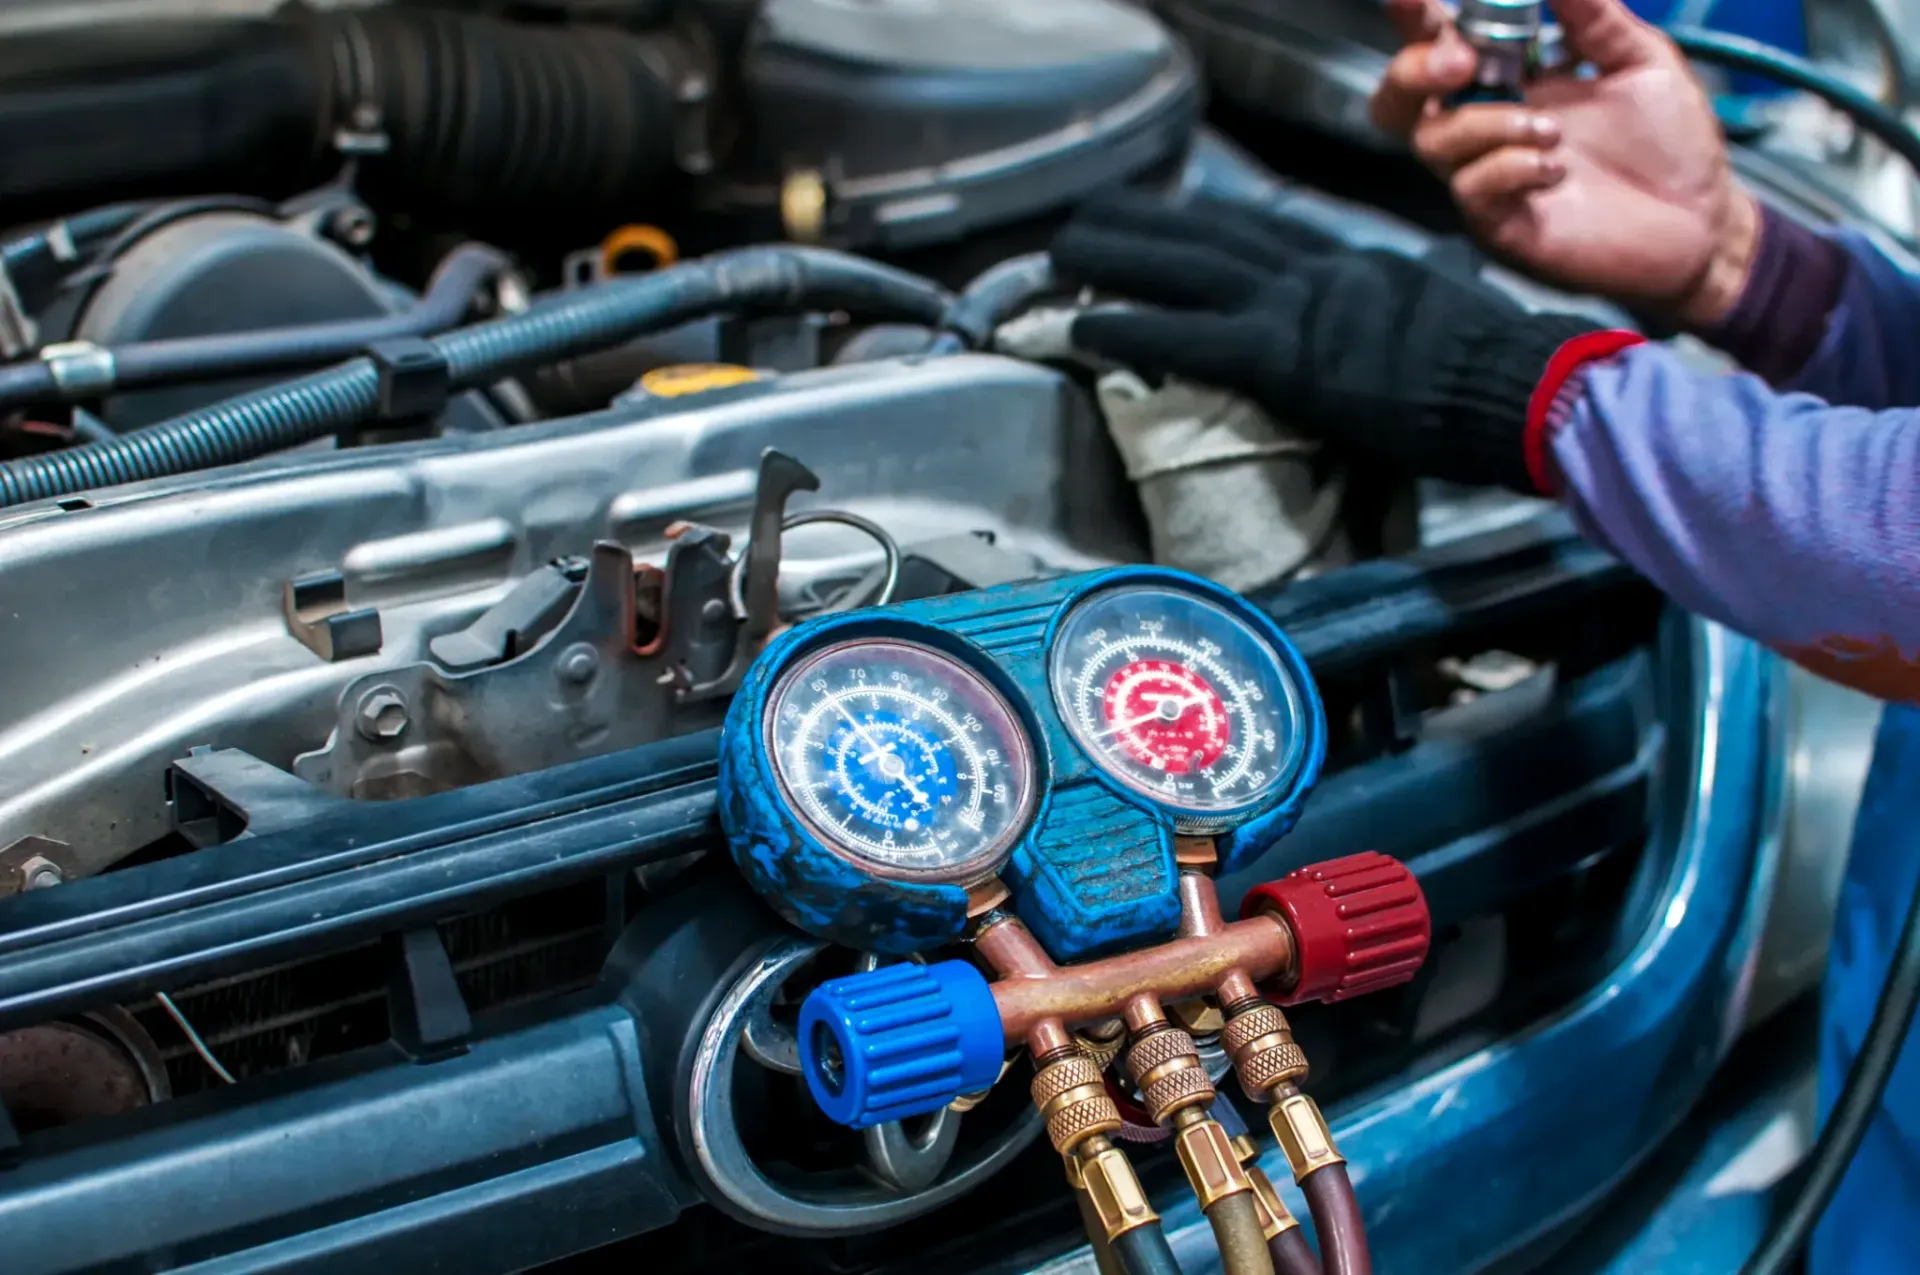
<point>80,368</point>
<point>364,133</point>
<point>683,59</point>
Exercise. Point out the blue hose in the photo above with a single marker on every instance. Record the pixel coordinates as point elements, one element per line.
<point>347,396</point>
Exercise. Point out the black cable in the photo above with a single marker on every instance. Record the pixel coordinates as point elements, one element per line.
<point>1737,53</point>
<point>184,360</point>
<point>1858,1102</point>
<point>38,262</point>
<point>1144,1251</point>
<point>991,299</point>
<point>777,279</point>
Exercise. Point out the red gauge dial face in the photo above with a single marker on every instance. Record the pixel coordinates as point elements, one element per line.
<point>1166,717</point>
<point>1180,700</point>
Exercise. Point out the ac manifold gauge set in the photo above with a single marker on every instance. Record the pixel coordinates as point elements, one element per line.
<point>1020,798</point>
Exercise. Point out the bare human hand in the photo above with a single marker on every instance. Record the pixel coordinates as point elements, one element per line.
<point>1615,182</point>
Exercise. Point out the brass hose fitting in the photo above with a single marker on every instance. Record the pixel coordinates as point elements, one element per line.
<point>1074,1101</point>
<point>1176,1091</point>
<point>1118,1201</point>
<point>1207,1155</point>
<point>1165,1067</point>
<point>1260,1042</point>
<point>1302,1132</point>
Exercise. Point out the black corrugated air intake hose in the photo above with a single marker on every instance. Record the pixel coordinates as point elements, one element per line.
<point>479,117</point>
<point>345,397</point>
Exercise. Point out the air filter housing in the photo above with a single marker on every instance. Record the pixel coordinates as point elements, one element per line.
<point>894,124</point>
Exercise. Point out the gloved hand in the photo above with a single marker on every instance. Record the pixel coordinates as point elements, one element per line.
<point>1401,363</point>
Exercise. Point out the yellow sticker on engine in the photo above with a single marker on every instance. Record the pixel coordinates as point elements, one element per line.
<point>695,378</point>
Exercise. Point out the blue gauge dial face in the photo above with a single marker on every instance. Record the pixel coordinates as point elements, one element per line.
<point>902,759</point>
<point>1180,700</point>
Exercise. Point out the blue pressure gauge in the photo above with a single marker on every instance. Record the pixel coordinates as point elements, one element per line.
<point>871,771</point>
<point>902,760</point>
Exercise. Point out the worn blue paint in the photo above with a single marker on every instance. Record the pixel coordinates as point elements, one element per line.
<point>1463,1166</point>
<point>1094,872</point>
<point>807,883</point>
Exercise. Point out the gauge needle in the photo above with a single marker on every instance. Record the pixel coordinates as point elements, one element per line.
<point>1159,713</point>
<point>883,753</point>
<point>858,729</point>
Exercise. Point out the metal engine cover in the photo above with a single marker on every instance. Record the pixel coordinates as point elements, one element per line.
<point>156,626</point>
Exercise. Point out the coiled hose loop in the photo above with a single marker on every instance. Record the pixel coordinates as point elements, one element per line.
<point>347,396</point>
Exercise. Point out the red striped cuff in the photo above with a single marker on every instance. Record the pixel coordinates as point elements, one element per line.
<point>1567,360</point>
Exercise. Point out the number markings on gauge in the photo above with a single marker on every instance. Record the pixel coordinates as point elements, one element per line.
<point>904,758</point>
<point>1173,713</point>
<point>1175,697</point>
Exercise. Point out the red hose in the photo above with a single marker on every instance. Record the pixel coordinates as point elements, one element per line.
<point>1292,1255</point>
<point>1336,1219</point>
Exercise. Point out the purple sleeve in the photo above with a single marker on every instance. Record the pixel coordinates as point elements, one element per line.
<point>1869,355</point>
<point>1783,517</point>
<point>1826,314</point>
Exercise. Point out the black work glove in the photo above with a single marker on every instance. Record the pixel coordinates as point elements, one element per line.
<point>1415,365</point>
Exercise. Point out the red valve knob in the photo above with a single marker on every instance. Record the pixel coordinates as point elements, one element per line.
<point>1360,924</point>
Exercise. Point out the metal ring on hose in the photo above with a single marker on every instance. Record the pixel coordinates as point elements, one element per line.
<point>824,1205</point>
<point>737,578</point>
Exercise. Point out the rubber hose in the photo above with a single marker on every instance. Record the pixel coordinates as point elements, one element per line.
<point>1737,53</point>
<point>1859,1101</point>
<point>1337,1221</point>
<point>991,299</point>
<point>1104,1257</point>
<point>1144,1251</point>
<point>1236,1230</point>
<point>147,364</point>
<point>347,396</point>
<point>1291,1253</point>
<point>485,116</point>
<point>481,117</point>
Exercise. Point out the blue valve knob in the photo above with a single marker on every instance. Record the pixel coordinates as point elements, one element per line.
<point>899,1041</point>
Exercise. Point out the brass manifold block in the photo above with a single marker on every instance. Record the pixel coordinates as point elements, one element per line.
<point>1074,1101</point>
<point>1165,1067</point>
<point>1261,1044</point>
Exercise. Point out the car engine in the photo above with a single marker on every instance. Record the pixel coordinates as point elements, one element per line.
<point>444,446</point>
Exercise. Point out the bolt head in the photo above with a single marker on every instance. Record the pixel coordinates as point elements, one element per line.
<point>383,716</point>
<point>38,873</point>
<point>578,663</point>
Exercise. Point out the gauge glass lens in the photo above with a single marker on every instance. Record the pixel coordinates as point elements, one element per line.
<point>902,758</point>
<point>1177,698</point>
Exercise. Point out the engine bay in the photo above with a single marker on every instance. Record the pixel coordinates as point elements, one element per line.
<point>549,562</point>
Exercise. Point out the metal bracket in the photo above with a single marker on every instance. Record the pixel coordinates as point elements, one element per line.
<point>518,691</point>
<point>431,1020</point>
<point>222,795</point>
<point>315,606</point>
